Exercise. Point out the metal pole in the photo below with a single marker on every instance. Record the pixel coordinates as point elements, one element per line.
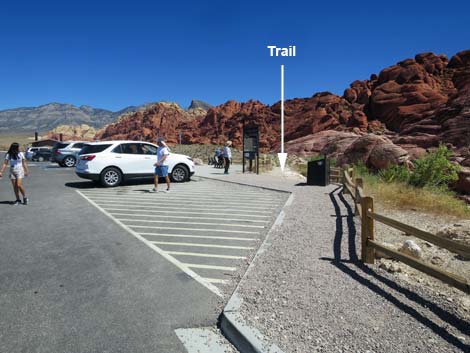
<point>243,147</point>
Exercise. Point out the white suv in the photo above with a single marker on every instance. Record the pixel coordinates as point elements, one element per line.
<point>111,162</point>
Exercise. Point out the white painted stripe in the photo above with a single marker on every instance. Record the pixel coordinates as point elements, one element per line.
<point>195,204</point>
<point>166,197</point>
<point>155,248</point>
<point>213,195</point>
<point>215,280</point>
<point>211,267</point>
<point>197,229</point>
<point>198,236</point>
<point>182,208</point>
<point>191,189</point>
<point>186,212</point>
<point>198,223</point>
<point>197,254</point>
<point>185,217</point>
<point>199,245</point>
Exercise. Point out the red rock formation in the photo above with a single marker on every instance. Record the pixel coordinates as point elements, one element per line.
<point>161,119</point>
<point>411,106</point>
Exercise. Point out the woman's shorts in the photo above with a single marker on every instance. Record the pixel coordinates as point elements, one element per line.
<point>16,173</point>
<point>161,171</point>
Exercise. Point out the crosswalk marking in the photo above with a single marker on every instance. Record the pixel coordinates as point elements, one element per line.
<point>197,223</point>
<point>200,236</point>
<point>202,245</point>
<point>212,194</point>
<point>209,233</point>
<point>215,280</point>
<point>183,208</point>
<point>197,254</point>
<point>174,196</point>
<point>211,267</point>
<point>196,229</point>
<point>186,212</point>
<point>183,217</point>
<point>198,204</point>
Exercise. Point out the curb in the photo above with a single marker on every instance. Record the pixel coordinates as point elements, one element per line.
<point>232,325</point>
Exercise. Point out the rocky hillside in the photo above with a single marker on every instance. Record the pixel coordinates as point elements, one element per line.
<point>395,116</point>
<point>197,104</point>
<point>159,119</point>
<point>415,104</point>
<point>78,132</point>
<point>49,116</point>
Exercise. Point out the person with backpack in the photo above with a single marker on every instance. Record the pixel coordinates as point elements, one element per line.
<point>18,170</point>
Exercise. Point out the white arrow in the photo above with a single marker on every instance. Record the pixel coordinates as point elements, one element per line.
<point>282,156</point>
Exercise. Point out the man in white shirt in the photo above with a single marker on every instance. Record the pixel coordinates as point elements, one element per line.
<point>161,167</point>
<point>227,156</point>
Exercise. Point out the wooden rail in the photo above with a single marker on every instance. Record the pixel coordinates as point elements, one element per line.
<point>364,207</point>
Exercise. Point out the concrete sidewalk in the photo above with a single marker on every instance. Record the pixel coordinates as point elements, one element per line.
<point>307,291</point>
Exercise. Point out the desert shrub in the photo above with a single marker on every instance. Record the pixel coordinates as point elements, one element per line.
<point>361,169</point>
<point>434,170</point>
<point>395,174</point>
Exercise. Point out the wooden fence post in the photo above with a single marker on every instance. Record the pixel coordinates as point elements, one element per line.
<point>343,178</point>
<point>357,202</point>
<point>367,230</point>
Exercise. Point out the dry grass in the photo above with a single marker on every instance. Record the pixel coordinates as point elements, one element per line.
<point>403,196</point>
<point>7,139</point>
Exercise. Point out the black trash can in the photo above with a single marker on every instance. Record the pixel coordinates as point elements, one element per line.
<point>318,172</point>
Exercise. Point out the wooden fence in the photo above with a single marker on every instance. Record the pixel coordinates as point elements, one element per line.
<point>364,208</point>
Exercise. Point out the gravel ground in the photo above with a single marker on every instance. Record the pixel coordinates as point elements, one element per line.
<point>309,293</point>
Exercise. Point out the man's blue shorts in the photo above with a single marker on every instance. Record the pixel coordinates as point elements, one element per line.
<point>161,171</point>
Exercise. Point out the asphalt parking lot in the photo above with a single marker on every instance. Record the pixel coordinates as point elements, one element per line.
<point>208,229</point>
<point>87,269</point>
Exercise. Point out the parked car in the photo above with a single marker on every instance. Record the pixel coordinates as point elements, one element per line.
<point>32,150</point>
<point>66,153</point>
<point>112,162</point>
<point>42,155</point>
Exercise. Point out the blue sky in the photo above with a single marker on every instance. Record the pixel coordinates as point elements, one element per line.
<point>120,53</point>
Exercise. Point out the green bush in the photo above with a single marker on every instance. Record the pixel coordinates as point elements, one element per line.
<point>361,169</point>
<point>434,170</point>
<point>395,174</point>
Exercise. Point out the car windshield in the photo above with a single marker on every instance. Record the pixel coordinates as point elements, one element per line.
<point>93,148</point>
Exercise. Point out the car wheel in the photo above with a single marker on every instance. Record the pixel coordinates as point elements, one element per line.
<point>180,173</point>
<point>41,159</point>
<point>69,161</point>
<point>111,177</point>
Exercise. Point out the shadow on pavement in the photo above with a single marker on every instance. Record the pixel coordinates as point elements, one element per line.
<point>6,202</point>
<point>84,185</point>
<point>355,273</point>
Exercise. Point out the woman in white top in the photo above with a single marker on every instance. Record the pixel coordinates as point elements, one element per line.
<point>18,170</point>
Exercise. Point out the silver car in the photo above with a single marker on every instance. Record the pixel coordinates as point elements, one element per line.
<point>66,153</point>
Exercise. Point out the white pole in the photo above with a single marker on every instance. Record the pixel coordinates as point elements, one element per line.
<point>282,108</point>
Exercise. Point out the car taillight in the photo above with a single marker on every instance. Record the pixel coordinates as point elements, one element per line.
<point>90,157</point>
<point>57,152</point>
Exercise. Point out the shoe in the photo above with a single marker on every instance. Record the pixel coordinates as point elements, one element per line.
<point>25,201</point>
<point>167,191</point>
<point>17,202</point>
<point>153,190</point>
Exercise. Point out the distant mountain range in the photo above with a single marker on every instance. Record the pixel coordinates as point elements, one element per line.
<point>47,117</point>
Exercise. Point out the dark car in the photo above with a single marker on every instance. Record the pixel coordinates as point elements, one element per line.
<point>42,155</point>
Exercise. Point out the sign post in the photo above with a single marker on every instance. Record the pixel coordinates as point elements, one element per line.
<point>250,146</point>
